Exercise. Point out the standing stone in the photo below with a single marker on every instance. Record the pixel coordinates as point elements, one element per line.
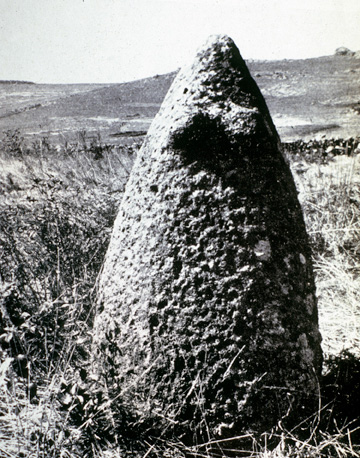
<point>207,318</point>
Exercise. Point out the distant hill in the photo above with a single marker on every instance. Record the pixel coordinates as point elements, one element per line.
<point>306,98</point>
<point>15,82</point>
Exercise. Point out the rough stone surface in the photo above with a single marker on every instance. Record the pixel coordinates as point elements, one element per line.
<point>207,315</point>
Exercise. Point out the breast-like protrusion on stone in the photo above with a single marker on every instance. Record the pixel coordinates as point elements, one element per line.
<point>207,315</point>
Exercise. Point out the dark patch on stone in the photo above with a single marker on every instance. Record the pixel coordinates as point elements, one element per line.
<point>203,141</point>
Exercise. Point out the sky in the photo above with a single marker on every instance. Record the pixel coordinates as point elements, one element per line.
<point>112,41</point>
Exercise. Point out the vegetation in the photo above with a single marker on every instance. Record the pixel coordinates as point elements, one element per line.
<point>57,211</point>
<point>58,206</point>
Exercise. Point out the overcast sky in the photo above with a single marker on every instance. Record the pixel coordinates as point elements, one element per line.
<point>80,41</point>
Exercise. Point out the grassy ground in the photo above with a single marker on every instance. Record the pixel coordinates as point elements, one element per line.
<point>57,210</point>
<point>330,196</point>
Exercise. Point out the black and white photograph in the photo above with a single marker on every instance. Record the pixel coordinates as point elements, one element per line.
<point>179,229</point>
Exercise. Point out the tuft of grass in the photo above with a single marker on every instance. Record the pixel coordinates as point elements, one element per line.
<point>31,423</point>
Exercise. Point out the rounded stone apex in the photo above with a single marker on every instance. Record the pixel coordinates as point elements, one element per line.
<point>216,39</point>
<point>220,48</point>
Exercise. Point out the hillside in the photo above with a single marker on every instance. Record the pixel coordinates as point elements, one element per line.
<point>15,82</point>
<point>309,97</point>
<point>313,96</point>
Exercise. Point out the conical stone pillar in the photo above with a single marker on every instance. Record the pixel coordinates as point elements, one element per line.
<point>207,318</point>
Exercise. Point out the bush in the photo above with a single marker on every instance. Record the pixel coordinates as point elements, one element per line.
<point>12,143</point>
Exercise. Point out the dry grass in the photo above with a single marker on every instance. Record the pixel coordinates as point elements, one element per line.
<point>57,210</point>
<point>31,427</point>
<point>58,207</point>
<point>330,197</point>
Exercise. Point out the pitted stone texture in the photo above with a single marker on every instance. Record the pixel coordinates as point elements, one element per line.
<point>207,311</point>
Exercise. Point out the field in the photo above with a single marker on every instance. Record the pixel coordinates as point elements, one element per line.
<point>305,97</point>
<point>65,156</point>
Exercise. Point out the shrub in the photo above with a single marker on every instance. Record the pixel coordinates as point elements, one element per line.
<point>12,143</point>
